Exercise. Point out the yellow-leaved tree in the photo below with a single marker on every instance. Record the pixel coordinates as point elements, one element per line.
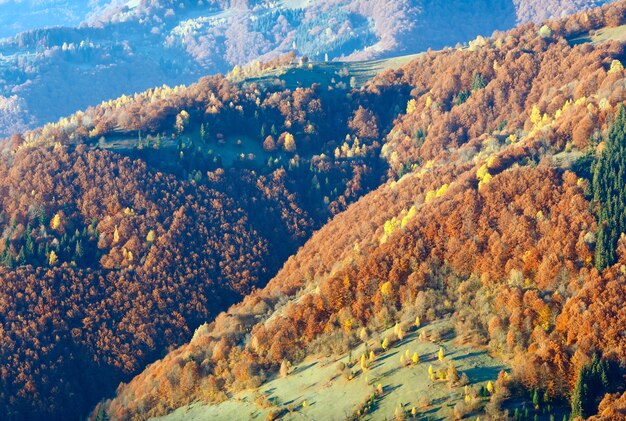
<point>182,119</point>
<point>116,235</point>
<point>385,344</point>
<point>57,222</point>
<point>290,143</point>
<point>411,106</point>
<point>385,288</point>
<point>616,66</point>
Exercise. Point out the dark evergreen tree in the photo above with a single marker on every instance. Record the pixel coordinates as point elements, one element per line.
<point>609,190</point>
<point>592,383</point>
<point>101,415</point>
<point>462,97</point>
<point>21,257</point>
<point>536,398</point>
<point>42,215</point>
<point>202,134</point>
<point>478,82</point>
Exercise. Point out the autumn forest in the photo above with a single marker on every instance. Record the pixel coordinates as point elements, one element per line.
<point>185,244</point>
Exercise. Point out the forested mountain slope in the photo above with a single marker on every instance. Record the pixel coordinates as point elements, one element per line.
<point>126,47</point>
<point>501,214</point>
<point>126,226</point>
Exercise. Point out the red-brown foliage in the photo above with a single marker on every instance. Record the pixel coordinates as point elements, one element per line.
<point>507,256</point>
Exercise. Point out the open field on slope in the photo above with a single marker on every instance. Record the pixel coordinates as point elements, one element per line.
<point>316,390</point>
<point>617,33</point>
<point>228,151</point>
<point>330,73</point>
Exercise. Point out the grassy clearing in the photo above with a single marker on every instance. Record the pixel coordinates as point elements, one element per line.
<point>356,73</point>
<point>228,150</point>
<point>606,34</point>
<point>316,388</point>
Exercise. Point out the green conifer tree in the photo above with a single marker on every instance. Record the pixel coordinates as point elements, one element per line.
<point>609,190</point>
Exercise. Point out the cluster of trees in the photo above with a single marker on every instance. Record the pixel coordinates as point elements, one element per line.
<point>506,249</point>
<point>107,263</point>
<point>532,11</point>
<point>595,379</point>
<point>609,192</point>
<point>109,258</point>
<point>502,82</point>
<point>298,131</point>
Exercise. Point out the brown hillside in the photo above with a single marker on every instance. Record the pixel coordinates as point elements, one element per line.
<point>490,225</point>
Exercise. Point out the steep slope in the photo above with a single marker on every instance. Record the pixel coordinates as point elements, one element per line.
<point>126,47</point>
<point>489,224</point>
<point>127,225</point>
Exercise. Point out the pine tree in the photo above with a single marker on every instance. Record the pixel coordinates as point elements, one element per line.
<point>30,244</point>
<point>478,82</point>
<point>78,250</point>
<point>42,215</point>
<point>609,190</point>
<point>592,383</point>
<point>284,368</point>
<point>580,395</point>
<point>202,133</point>
<point>102,415</point>
<point>21,256</point>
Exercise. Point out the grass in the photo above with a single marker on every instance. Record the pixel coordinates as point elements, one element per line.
<point>231,149</point>
<point>617,33</point>
<point>330,73</point>
<point>331,396</point>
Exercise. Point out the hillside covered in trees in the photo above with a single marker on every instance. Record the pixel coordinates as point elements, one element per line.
<point>502,212</point>
<point>479,185</point>
<point>127,226</point>
<point>57,57</point>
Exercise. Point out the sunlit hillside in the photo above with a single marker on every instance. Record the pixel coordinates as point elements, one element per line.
<point>422,235</point>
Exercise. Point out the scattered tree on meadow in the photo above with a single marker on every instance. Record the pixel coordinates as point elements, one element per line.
<point>385,344</point>
<point>284,368</point>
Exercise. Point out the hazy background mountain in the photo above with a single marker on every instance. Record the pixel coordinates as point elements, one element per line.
<point>99,50</point>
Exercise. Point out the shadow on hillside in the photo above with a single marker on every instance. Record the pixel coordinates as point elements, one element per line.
<point>305,367</point>
<point>482,374</point>
<point>387,356</point>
